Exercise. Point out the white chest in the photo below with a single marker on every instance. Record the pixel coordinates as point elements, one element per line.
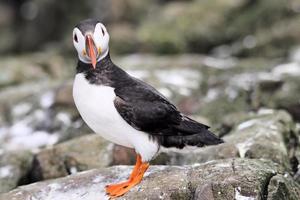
<point>95,104</point>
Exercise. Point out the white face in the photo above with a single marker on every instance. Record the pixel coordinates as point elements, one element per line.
<point>100,40</point>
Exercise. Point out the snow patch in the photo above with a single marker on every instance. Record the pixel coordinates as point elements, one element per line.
<point>123,173</point>
<point>247,81</point>
<point>73,170</point>
<point>81,192</point>
<point>6,171</point>
<point>223,165</point>
<point>47,99</point>
<point>295,55</point>
<point>196,165</point>
<point>246,124</point>
<point>244,147</point>
<point>166,92</point>
<point>219,63</point>
<point>239,196</point>
<point>212,94</point>
<point>21,109</point>
<point>244,81</point>
<point>249,41</point>
<point>140,74</point>
<point>98,179</point>
<point>265,111</point>
<point>64,118</point>
<point>181,78</point>
<point>34,140</point>
<point>21,128</point>
<point>184,91</point>
<point>54,186</point>
<point>290,69</point>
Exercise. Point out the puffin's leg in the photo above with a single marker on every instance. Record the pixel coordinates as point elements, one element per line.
<point>131,183</point>
<point>113,187</point>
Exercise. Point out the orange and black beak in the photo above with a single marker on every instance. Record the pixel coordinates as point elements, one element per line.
<point>91,50</point>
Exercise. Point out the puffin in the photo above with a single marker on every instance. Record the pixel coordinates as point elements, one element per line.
<point>126,110</point>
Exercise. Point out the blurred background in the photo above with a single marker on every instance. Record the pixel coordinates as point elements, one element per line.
<point>217,60</point>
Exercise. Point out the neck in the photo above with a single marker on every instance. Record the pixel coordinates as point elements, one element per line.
<point>106,72</point>
<point>102,64</point>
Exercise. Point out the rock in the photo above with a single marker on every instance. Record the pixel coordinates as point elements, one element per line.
<point>223,179</point>
<point>14,166</point>
<point>200,26</point>
<point>80,154</point>
<point>34,67</point>
<point>252,134</point>
<point>271,42</point>
<point>37,115</point>
<point>40,106</point>
<point>64,95</point>
<point>185,26</point>
<point>283,187</point>
<point>7,35</point>
<point>125,38</point>
<point>123,155</point>
<point>129,11</point>
<point>246,140</point>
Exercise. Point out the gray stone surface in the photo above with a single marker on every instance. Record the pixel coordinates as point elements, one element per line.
<point>14,166</point>
<point>261,136</point>
<point>80,154</point>
<point>282,186</point>
<point>34,115</point>
<point>223,179</point>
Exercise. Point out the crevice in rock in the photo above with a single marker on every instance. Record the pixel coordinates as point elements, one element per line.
<point>265,186</point>
<point>224,129</point>
<point>292,145</point>
<point>233,165</point>
<point>190,187</point>
<point>33,175</point>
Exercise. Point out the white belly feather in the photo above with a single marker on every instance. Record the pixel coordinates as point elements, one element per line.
<point>95,104</point>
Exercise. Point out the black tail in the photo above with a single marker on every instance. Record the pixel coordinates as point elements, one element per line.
<point>191,133</point>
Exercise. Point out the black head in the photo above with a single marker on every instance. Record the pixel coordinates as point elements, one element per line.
<point>91,40</point>
<point>87,25</point>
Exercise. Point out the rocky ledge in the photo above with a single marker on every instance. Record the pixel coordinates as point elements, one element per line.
<point>260,160</point>
<point>222,179</point>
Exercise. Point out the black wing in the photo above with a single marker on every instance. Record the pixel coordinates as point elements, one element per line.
<point>145,108</point>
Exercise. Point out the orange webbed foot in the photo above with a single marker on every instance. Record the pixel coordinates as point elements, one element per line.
<point>123,188</point>
<point>115,187</point>
<point>117,190</point>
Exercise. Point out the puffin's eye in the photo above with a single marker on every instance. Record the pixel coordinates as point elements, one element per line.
<point>75,38</point>
<point>102,31</point>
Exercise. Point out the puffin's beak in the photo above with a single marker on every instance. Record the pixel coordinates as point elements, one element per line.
<point>91,50</point>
